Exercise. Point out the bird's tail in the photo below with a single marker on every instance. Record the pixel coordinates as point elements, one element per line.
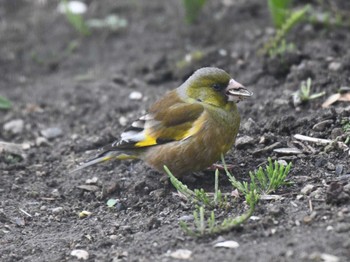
<point>102,158</point>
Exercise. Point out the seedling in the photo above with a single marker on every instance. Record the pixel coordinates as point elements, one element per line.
<point>268,180</point>
<point>5,103</point>
<point>279,11</point>
<point>303,95</point>
<point>192,9</point>
<point>294,18</point>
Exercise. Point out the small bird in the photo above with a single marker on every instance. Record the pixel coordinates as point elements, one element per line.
<point>187,129</point>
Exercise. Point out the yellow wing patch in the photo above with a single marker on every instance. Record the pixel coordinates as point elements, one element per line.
<point>149,141</point>
<point>174,133</point>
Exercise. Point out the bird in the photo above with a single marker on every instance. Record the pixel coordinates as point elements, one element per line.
<point>186,130</point>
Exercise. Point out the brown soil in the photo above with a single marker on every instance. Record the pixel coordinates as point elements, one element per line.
<point>84,93</point>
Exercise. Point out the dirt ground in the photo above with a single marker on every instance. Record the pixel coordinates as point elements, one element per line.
<point>70,95</point>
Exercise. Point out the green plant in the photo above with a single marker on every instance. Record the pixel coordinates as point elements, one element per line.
<point>345,124</point>
<point>192,9</point>
<point>281,49</point>
<point>268,180</point>
<point>279,11</point>
<point>303,95</point>
<point>5,103</point>
<point>263,181</point>
<point>293,19</point>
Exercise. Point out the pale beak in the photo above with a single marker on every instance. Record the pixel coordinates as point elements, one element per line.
<point>236,92</point>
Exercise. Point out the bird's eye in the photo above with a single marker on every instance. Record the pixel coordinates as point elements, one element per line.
<point>218,87</point>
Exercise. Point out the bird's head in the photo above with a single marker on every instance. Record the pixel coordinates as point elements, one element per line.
<point>213,86</point>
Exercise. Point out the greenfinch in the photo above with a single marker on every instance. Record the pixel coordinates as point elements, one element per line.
<point>187,129</point>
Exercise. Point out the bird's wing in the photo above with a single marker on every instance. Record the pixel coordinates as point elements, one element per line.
<point>168,120</point>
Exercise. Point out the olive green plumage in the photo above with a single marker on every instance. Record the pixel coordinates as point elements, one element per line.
<point>187,129</point>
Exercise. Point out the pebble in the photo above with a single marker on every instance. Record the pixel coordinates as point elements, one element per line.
<point>184,254</point>
<point>75,7</point>
<point>186,218</point>
<point>243,141</point>
<point>123,121</point>
<point>80,254</point>
<point>57,210</point>
<point>275,210</point>
<point>307,189</point>
<point>51,132</point>
<point>41,141</point>
<point>135,95</point>
<point>339,169</point>
<point>330,166</point>
<point>227,244</point>
<point>91,180</point>
<point>334,66</point>
<point>55,193</point>
<point>317,194</point>
<point>14,126</point>
<point>346,188</point>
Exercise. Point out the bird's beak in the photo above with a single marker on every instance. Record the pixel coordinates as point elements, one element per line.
<point>236,92</point>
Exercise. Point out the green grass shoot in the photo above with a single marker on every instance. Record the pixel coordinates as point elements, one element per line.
<point>5,103</point>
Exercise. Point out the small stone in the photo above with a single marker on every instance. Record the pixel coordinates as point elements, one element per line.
<point>334,66</point>
<point>43,208</point>
<point>330,166</point>
<point>187,218</point>
<point>84,214</point>
<point>243,141</point>
<point>135,95</point>
<point>75,7</point>
<point>346,188</point>
<point>14,126</point>
<point>183,254</point>
<point>317,194</point>
<point>41,141</point>
<point>329,228</point>
<point>275,210</point>
<point>307,189</point>
<point>227,244</point>
<point>123,121</point>
<point>51,132</point>
<point>329,258</point>
<point>57,210</point>
<point>80,254</point>
<point>339,169</point>
<point>113,237</point>
<point>223,52</point>
<point>55,193</point>
<point>91,180</point>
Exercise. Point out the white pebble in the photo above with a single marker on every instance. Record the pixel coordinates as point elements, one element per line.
<point>135,95</point>
<point>75,7</point>
<point>227,244</point>
<point>14,126</point>
<point>80,254</point>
